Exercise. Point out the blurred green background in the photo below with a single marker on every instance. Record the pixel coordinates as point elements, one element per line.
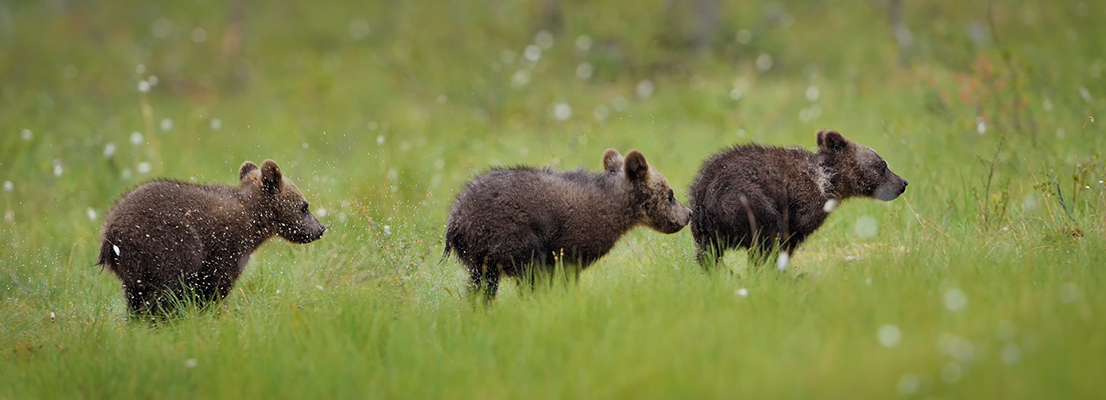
<point>983,280</point>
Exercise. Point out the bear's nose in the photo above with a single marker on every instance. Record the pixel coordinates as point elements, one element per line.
<point>905,183</point>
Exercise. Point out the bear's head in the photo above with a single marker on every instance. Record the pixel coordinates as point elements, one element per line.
<point>650,194</point>
<point>282,206</point>
<point>858,170</point>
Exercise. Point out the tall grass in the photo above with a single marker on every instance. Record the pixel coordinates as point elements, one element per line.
<point>983,280</point>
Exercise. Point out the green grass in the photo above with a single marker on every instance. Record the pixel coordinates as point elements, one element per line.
<point>382,132</point>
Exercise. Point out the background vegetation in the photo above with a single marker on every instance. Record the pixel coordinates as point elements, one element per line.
<point>984,280</point>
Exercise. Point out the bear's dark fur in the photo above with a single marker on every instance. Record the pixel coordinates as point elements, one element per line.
<point>768,198</point>
<point>511,219</point>
<point>169,239</point>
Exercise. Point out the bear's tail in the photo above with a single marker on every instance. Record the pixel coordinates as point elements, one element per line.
<point>445,254</point>
<point>109,256</point>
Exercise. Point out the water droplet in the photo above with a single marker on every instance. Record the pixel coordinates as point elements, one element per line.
<point>955,300</point>
<point>889,335</point>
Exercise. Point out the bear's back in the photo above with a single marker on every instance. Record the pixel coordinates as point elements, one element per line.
<point>171,202</point>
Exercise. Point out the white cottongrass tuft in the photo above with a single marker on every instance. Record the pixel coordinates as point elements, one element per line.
<point>764,62</point>
<point>532,53</point>
<point>812,93</point>
<point>909,384</point>
<point>58,169</point>
<point>380,140</point>
<point>831,204</point>
<point>1010,353</point>
<point>521,78</point>
<point>562,111</point>
<point>889,335</point>
<point>743,292</point>
<point>143,86</point>
<point>980,125</point>
<point>584,70</point>
<point>955,300</point>
<point>166,124</point>
<point>782,261</point>
<point>952,372</point>
<point>26,134</point>
<point>143,167</point>
<point>320,212</point>
<point>109,150</point>
<point>216,124</point>
<point>744,36</point>
<point>387,229</point>
<point>544,39</point>
<point>92,214</point>
<point>9,186</point>
<point>191,363</point>
<point>583,42</point>
<point>735,94</point>
<point>866,227</point>
<point>136,138</point>
<point>645,89</point>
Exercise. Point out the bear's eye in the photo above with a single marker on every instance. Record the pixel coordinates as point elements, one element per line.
<point>304,208</point>
<point>883,166</point>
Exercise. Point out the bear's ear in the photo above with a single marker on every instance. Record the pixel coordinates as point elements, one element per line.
<point>271,178</point>
<point>832,140</point>
<point>248,168</point>
<point>612,161</point>
<point>637,169</point>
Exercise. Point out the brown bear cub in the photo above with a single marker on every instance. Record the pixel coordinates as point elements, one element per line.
<point>769,198</point>
<point>520,221</point>
<point>169,240</point>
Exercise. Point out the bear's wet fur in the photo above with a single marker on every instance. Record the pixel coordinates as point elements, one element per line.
<point>522,220</point>
<point>169,241</point>
<point>768,199</point>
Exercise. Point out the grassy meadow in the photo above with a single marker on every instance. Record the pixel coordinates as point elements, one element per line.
<point>984,280</point>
